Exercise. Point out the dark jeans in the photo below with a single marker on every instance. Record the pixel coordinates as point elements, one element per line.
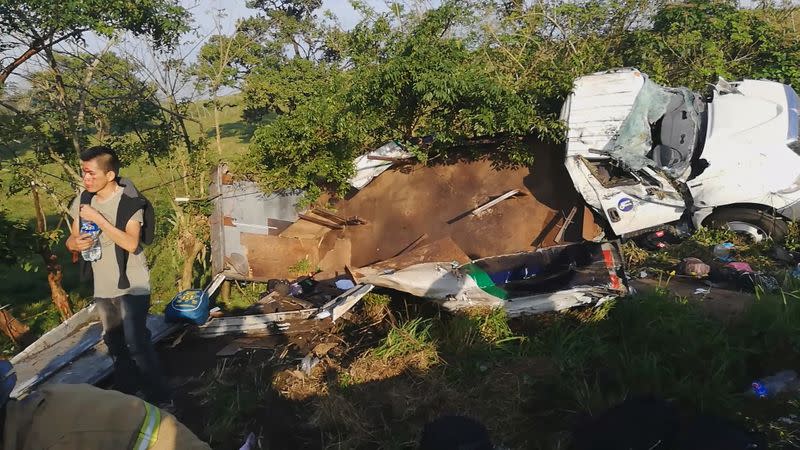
<point>125,333</point>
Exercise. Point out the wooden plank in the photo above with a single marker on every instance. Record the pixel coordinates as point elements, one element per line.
<point>304,230</point>
<point>488,205</point>
<point>330,216</point>
<point>567,222</point>
<point>386,158</point>
<point>319,221</point>
<point>215,284</point>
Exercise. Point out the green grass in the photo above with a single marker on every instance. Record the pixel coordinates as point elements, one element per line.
<point>413,336</point>
<point>530,381</point>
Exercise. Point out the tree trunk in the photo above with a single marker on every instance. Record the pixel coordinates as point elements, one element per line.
<point>17,331</point>
<point>216,125</point>
<point>55,273</point>
<point>191,250</point>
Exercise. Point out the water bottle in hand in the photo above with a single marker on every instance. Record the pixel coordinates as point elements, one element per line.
<point>94,252</point>
<point>782,381</point>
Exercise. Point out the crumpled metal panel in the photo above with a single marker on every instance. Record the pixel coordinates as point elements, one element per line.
<point>242,207</point>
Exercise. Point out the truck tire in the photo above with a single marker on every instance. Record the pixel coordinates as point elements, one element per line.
<point>752,222</point>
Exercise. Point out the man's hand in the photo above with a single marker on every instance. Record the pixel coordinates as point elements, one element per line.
<point>91,214</point>
<point>79,243</point>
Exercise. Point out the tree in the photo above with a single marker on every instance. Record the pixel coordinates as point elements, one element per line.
<point>222,60</point>
<point>14,240</point>
<point>33,26</point>
<point>692,43</point>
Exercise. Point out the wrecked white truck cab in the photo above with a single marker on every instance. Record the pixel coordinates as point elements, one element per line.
<point>644,156</point>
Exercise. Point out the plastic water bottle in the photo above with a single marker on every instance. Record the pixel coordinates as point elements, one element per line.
<point>770,386</point>
<point>94,252</point>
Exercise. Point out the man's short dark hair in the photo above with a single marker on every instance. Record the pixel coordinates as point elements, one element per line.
<point>107,158</point>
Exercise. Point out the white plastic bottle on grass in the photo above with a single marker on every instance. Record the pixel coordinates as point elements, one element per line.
<point>785,380</point>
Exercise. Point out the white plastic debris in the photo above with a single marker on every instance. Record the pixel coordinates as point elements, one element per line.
<point>344,284</point>
<point>367,169</point>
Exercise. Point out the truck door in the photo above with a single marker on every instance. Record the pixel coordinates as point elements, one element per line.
<point>629,201</point>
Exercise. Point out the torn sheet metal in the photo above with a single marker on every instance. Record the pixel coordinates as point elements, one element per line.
<point>523,283</point>
<point>80,357</point>
<point>74,352</point>
<point>595,111</point>
<point>367,169</point>
<point>281,321</point>
<point>244,214</point>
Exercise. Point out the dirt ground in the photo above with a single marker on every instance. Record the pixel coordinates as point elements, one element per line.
<point>720,302</point>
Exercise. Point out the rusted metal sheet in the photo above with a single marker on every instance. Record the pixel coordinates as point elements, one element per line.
<point>272,256</point>
<point>242,215</point>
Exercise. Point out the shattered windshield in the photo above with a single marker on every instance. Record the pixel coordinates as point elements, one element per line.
<point>661,130</point>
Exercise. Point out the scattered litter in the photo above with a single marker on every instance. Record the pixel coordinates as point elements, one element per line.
<point>345,284</point>
<point>694,267</point>
<point>295,290</point>
<point>745,278</point>
<point>322,349</point>
<point>796,272</point>
<point>702,291</point>
<point>251,443</point>
<point>723,251</point>
<point>308,363</point>
<point>642,274</point>
<point>788,420</point>
<point>783,255</point>
<point>783,381</point>
<point>740,266</point>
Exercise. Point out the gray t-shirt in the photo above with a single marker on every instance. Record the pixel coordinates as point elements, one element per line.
<point>106,269</point>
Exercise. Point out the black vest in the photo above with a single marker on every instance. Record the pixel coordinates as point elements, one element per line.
<point>130,202</point>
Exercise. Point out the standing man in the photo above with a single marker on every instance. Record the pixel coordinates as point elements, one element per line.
<point>125,220</point>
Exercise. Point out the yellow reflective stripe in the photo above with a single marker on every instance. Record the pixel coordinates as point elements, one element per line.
<point>148,433</point>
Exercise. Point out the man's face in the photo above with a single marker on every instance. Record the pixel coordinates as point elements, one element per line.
<point>94,177</point>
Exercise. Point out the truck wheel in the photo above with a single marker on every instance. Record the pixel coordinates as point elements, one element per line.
<point>758,225</point>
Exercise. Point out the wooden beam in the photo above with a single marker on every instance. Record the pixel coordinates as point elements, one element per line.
<point>567,222</point>
<point>330,216</point>
<point>386,158</point>
<point>488,205</point>
<point>320,222</point>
